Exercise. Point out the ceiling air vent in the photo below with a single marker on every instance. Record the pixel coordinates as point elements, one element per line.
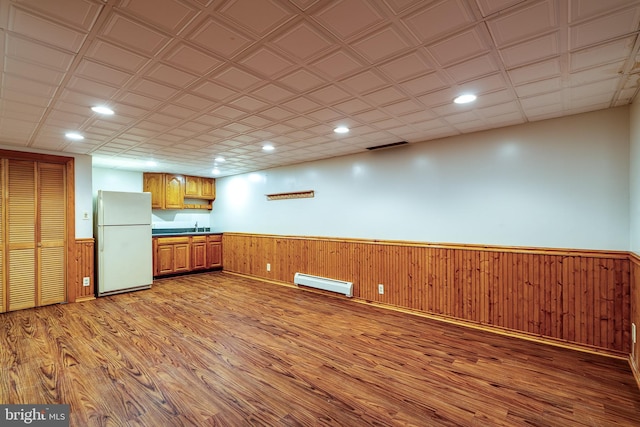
<point>393,144</point>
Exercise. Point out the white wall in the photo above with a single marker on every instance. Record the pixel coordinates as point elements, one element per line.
<point>555,183</point>
<point>634,180</point>
<point>116,180</point>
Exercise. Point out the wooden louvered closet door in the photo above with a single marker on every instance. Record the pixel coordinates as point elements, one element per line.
<point>35,233</point>
<point>51,231</point>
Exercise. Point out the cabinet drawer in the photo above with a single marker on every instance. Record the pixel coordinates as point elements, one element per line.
<point>198,239</point>
<point>215,237</point>
<point>172,240</point>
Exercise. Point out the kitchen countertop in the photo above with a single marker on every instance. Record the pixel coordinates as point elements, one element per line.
<point>168,232</point>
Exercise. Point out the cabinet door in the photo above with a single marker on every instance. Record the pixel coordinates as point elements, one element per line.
<point>164,262</point>
<point>214,254</point>
<point>192,185</point>
<point>154,184</point>
<point>208,188</point>
<point>174,194</point>
<point>198,255</point>
<point>181,258</point>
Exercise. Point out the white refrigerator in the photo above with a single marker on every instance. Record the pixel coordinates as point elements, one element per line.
<point>123,238</point>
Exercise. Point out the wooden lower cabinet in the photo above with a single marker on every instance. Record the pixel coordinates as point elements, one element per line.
<point>184,254</point>
<point>198,252</point>
<point>171,255</point>
<point>214,251</point>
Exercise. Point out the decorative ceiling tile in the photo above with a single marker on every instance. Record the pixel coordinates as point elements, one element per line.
<point>116,56</point>
<point>438,19</point>
<point>530,51</point>
<point>461,46</point>
<point>170,76</point>
<point>153,89</point>
<point>489,7</point>
<point>134,35</point>
<point>90,87</point>
<point>102,73</point>
<point>301,80</point>
<point>346,18</point>
<point>381,44</point>
<point>618,50</point>
<point>329,94</point>
<point>584,9</point>
<point>423,84</point>
<point>194,102</point>
<point>385,96</point>
<point>303,41</point>
<point>26,70</point>
<point>272,93</point>
<point>75,13</point>
<point>472,69</point>
<point>37,53</point>
<point>301,105</point>
<point>405,67</point>
<point>192,59</point>
<point>170,15</point>
<point>237,78</point>
<point>248,103</point>
<point>43,30</point>
<point>260,17</point>
<point>365,82</point>
<point>538,71</point>
<point>605,28</point>
<point>216,37</point>
<point>532,20</point>
<point>266,62</point>
<point>337,65</point>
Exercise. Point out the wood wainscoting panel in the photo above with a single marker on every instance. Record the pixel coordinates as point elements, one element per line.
<point>574,296</point>
<point>84,267</point>
<point>635,314</point>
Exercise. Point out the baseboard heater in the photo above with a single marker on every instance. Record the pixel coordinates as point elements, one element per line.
<point>323,283</point>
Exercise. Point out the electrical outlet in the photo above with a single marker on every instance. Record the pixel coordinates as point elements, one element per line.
<point>85,215</point>
<point>86,281</point>
<point>268,267</point>
<point>381,289</point>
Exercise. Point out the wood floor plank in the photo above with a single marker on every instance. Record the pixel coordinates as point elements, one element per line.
<point>218,349</point>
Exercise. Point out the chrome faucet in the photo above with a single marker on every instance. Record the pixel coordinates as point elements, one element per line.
<point>196,226</point>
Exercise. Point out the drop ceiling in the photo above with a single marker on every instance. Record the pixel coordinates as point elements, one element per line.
<point>192,80</point>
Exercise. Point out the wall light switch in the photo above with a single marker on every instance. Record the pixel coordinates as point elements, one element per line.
<point>268,267</point>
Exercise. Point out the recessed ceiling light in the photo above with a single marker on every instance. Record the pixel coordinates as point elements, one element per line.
<point>465,99</point>
<point>268,147</point>
<point>219,159</point>
<point>100,109</point>
<point>74,136</point>
<point>215,171</point>
<point>341,129</point>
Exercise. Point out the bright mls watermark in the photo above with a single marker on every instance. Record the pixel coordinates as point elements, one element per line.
<point>34,415</point>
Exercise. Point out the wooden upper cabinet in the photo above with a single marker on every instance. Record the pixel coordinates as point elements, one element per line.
<point>174,195</point>
<point>197,187</point>
<point>154,184</point>
<point>208,190</point>
<point>169,191</point>
<point>192,186</point>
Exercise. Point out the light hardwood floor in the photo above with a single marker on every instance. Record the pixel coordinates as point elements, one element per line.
<point>219,349</point>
